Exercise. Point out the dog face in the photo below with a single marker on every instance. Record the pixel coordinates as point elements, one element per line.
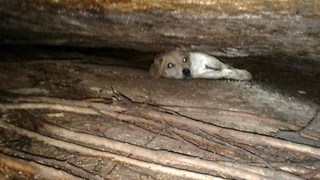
<point>174,64</point>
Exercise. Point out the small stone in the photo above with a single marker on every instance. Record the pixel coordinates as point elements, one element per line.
<point>301,92</point>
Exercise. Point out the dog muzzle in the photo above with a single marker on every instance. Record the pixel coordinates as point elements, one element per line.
<point>186,73</point>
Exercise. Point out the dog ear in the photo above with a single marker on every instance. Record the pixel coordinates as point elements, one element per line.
<point>155,67</point>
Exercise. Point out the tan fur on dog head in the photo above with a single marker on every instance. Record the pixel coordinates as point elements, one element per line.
<point>170,64</point>
<point>155,67</point>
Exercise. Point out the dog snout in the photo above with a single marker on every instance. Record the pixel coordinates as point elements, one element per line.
<point>186,72</point>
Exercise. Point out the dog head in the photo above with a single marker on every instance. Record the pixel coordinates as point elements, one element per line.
<point>174,64</point>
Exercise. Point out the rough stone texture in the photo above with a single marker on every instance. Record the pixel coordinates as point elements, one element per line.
<point>267,113</point>
<point>81,81</point>
<point>243,115</point>
<point>288,29</point>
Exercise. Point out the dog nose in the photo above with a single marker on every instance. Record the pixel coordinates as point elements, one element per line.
<point>186,72</point>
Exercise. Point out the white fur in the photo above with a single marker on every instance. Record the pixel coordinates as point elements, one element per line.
<point>201,65</point>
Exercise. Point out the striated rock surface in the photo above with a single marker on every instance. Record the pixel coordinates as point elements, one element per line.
<point>232,28</point>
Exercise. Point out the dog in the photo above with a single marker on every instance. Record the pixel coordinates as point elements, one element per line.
<point>181,64</point>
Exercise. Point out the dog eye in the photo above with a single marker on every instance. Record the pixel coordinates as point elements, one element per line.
<point>170,65</point>
<point>184,59</point>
